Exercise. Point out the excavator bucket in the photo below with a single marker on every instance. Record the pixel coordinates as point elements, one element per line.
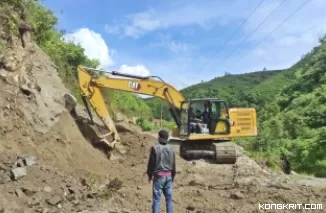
<point>107,141</point>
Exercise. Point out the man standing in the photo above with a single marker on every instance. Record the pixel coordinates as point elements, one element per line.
<point>161,169</point>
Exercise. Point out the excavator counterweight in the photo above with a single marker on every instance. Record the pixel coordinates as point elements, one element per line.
<point>205,126</point>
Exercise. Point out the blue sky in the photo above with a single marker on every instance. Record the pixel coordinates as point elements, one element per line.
<point>178,40</point>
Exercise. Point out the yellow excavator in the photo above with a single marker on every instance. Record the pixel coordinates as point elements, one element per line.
<point>200,137</point>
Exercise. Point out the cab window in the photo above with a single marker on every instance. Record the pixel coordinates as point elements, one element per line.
<point>215,110</point>
<point>198,108</point>
<point>184,114</point>
<point>219,110</point>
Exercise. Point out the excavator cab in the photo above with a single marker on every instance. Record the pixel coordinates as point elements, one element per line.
<point>204,117</point>
<point>206,127</point>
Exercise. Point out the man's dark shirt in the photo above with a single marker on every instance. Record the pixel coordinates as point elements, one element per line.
<point>205,117</point>
<point>161,159</point>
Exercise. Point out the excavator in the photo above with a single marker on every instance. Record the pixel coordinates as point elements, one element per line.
<point>198,137</point>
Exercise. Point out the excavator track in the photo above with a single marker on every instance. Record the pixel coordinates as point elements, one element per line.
<point>223,152</point>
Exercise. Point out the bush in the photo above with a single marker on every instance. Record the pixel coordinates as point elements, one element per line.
<point>145,125</point>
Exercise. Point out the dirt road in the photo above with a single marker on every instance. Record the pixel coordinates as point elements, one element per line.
<point>71,175</point>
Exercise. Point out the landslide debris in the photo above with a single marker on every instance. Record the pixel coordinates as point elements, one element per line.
<point>47,165</point>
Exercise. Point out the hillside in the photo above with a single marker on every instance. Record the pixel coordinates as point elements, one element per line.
<point>290,106</point>
<point>67,56</point>
<point>49,164</point>
<point>241,90</point>
<point>295,122</point>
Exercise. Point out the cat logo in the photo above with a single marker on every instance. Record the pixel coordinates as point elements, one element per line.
<point>134,84</point>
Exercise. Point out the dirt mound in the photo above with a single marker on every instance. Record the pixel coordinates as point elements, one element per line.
<point>34,121</point>
<point>48,165</point>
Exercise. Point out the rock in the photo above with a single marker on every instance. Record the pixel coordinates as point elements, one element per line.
<point>119,117</point>
<point>75,202</point>
<point>28,192</point>
<point>53,201</point>
<point>139,188</point>
<point>4,178</point>
<point>19,163</point>
<point>71,198</point>
<point>3,74</point>
<point>237,195</point>
<point>91,195</point>
<point>9,77</point>
<point>18,173</point>
<point>47,189</point>
<point>84,182</point>
<point>3,167</point>
<point>19,193</point>
<point>30,160</point>
<point>26,90</point>
<point>178,170</point>
<point>10,63</point>
<point>190,208</point>
<point>34,201</point>
<point>42,210</point>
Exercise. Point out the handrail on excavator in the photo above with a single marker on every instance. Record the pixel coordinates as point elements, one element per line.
<point>137,84</point>
<point>117,73</point>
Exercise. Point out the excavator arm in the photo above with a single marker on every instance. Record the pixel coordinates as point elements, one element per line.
<point>91,91</point>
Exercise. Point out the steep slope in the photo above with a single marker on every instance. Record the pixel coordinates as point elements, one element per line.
<point>295,123</point>
<point>46,164</point>
<point>34,122</point>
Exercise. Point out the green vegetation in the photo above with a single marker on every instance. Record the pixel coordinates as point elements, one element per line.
<point>65,54</point>
<point>291,110</point>
<point>295,123</point>
<point>290,103</point>
<point>242,90</point>
<point>148,125</point>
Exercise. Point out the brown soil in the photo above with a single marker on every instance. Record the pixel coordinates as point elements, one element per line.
<point>86,181</point>
<point>70,175</point>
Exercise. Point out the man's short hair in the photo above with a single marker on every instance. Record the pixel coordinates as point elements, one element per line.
<point>163,136</point>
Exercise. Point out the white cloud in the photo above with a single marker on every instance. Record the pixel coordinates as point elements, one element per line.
<point>96,48</point>
<point>176,47</point>
<point>132,31</point>
<point>282,49</point>
<point>111,29</point>
<point>259,52</point>
<point>139,69</point>
<point>204,14</point>
<point>94,45</point>
<point>145,20</point>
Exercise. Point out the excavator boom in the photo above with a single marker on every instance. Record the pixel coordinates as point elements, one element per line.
<point>135,84</point>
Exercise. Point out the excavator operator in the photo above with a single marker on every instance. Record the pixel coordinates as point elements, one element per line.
<point>193,121</point>
<point>206,114</point>
<point>200,118</point>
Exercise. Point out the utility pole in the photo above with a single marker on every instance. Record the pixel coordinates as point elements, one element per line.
<point>161,113</point>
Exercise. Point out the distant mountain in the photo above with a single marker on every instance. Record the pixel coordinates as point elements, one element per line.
<point>240,90</point>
